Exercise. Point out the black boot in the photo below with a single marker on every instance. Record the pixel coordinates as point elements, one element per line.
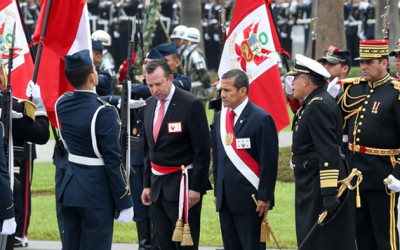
<point>144,234</point>
<point>154,242</point>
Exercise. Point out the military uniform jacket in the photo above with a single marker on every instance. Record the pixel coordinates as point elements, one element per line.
<point>257,125</point>
<point>104,87</point>
<point>6,198</point>
<point>102,187</point>
<point>190,146</point>
<point>373,119</point>
<point>317,135</point>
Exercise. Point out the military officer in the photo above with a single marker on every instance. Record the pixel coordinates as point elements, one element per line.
<point>105,85</point>
<point>371,109</point>
<point>317,135</point>
<point>396,54</point>
<point>95,183</point>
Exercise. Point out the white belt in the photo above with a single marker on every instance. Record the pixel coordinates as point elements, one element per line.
<point>197,84</point>
<point>85,160</point>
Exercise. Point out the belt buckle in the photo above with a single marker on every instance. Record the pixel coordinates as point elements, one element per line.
<point>356,148</point>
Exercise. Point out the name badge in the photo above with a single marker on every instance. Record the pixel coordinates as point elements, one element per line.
<point>175,127</point>
<point>243,143</point>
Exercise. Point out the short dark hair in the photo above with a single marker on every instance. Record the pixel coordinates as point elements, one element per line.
<point>240,78</point>
<point>153,65</point>
<point>317,81</point>
<point>77,77</point>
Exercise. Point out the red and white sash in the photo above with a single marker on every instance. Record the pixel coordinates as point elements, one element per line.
<point>242,160</point>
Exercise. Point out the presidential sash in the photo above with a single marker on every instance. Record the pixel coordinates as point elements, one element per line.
<point>242,160</point>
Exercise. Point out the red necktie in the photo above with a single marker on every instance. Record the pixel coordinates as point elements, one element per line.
<point>160,118</point>
<point>232,117</point>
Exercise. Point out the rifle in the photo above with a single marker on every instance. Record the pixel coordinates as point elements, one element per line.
<point>216,103</point>
<point>6,117</point>
<point>314,36</point>
<point>125,97</point>
<point>385,24</point>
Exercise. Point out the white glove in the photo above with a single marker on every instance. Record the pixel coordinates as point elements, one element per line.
<point>334,88</point>
<point>14,114</point>
<point>289,85</point>
<point>125,215</point>
<point>133,104</point>
<point>394,185</point>
<point>9,226</point>
<point>33,90</point>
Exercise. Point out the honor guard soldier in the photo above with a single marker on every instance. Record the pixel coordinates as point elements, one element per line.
<point>371,109</point>
<point>105,85</point>
<point>396,54</point>
<point>95,183</point>
<point>177,158</point>
<point>107,62</point>
<point>177,37</point>
<point>353,25</point>
<point>245,162</point>
<point>30,124</point>
<point>317,163</point>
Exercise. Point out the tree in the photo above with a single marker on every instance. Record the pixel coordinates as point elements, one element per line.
<point>191,16</point>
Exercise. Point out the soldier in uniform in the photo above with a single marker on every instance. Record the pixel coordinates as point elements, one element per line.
<point>371,109</point>
<point>194,64</point>
<point>369,22</point>
<point>177,37</point>
<point>353,24</point>
<point>95,183</point>
<point>396,54</point>
<point>105,85</point>
<point>317,135</point>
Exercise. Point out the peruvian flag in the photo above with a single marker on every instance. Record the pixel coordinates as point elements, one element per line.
<point>67,32</point>
<point>253,45</point>
<point>22,60</point>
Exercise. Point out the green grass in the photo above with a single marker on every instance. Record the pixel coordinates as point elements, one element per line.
<point>43,225</point>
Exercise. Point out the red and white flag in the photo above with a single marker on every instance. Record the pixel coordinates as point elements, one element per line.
<point>22,60</point>
<point>252,45</point>
<point>67,32</point>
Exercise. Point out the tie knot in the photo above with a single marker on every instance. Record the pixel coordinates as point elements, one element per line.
<point>162,102</point>
<point>233,114</point>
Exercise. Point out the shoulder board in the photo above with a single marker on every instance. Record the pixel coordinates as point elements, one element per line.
<point>396,85</point>
<point>29,107</point>
<point>353,80</point>
<point>315,99</point>
<point>103,102</point>
<point>68,93</point>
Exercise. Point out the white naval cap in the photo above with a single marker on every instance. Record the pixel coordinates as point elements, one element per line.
<point>308,66</point>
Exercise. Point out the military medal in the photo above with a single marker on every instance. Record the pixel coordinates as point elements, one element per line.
<point>228,139</point>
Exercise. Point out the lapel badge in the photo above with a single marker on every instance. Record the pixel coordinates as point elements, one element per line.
<point>296,128</point>
<point>228,139</point>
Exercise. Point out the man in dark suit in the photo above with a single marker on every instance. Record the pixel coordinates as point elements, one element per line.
<point>176,147</point>
<point>317,163</point>
<point>95,183</point>
<point>245,161</point>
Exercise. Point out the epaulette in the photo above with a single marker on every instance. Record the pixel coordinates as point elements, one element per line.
<point>352,80</point>
<point>315,99</point>
<point>102,102</point>
<point>396,86</point>
<point>29,107</point>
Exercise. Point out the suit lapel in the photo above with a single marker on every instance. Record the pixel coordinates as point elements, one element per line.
<point>150,118</point>
<point>242,119</point>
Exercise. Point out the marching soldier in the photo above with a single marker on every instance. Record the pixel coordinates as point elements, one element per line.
<point>371,109</point>
<point>317,164</point>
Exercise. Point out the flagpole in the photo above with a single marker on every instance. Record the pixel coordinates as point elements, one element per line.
<point>43,34</point>
<point>26,32</point>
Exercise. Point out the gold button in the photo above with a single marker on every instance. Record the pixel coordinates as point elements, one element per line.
<point>366,102</point>
<point>326,164</point>
<point>141,98</point>
<point>360,123</point>
<point>358,139</point>
<point>362,116</point>
<point>368,96</point>
<point>293,165</point>
<point>371,91</point>
<point>364,109</point>
<point>358,130</point>
<point>138,134</point>
<point>137,121</point>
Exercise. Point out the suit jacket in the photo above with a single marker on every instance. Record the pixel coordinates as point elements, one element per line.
<point>256,124</point>
<point>192,145</point>
<point>103,187</point>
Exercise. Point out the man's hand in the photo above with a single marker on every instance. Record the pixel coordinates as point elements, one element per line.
<point>262,208</point>
<point>194,198</point>
<point>33,90</point>
<point>133,104</point>
<point>125,215</point>
<point>146,199</point>
<point>394,184</point>
<point>9,226</point>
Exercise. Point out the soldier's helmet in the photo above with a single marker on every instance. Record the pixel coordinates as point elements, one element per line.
<point>103,36</point>
<point>179,32</point>
<point>192,34</point>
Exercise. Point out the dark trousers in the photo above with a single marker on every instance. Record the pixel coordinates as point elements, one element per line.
<point>166,214</point>
<point>240,231</point>
<point>87,229</point>
<point>23,194</point>
<point>141,212</point>
<point>373,222</point>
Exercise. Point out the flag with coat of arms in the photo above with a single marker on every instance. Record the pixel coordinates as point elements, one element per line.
<point>22,60</point>
<point>253,46</point>
<point>67,32</point>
